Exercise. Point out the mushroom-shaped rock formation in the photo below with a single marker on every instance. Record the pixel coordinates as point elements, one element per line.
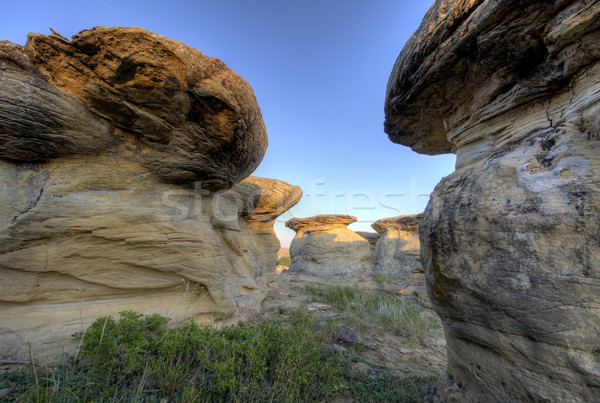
<point>112,147</point>
<point>326,251</point>
<point>396,257</point>
<point>510,241</point>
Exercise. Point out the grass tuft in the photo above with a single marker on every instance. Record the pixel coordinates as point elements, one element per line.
<point>284,261</point>
<point>395,313</point>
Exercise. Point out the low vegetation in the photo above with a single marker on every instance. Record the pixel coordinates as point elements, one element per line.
<point>284,261</point>
<point>140,358</point>
<point>396,314</point>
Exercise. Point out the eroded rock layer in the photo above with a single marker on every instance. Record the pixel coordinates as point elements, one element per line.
<point>510,242</point>
<point>326,251</point>
<point>117,150</point>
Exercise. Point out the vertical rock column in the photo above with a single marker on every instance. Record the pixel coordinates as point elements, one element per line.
<point>510,241</point>
<point>397,254</point>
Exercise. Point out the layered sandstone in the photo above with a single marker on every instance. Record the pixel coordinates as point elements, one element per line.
<point>117,150</point>
<point>326,251</point>
<point>396,258</point>
<point>510,241</point>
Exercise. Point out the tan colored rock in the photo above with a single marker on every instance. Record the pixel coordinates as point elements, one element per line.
<point>112,149</point>
<point>510,241</point>
<point>406,292</point>
<point>396,258</point>
<point>325,251</point>
<point>80,252</point>
<point>406,223</point>
<point>259,201</point>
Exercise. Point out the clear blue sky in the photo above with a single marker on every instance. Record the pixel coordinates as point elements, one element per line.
<point>319,70</point>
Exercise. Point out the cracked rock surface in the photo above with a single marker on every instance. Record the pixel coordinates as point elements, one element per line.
<point>510,242</point>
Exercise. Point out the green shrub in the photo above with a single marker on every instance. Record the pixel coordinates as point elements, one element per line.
<point>284,261</point>
<point>139,358</point>
<point>366,388</point>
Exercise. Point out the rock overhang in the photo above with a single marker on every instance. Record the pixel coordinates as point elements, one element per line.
<point>182,110</point>
<point>471,61</point>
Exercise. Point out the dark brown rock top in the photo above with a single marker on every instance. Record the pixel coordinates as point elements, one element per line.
<point>473,59</point>
<point>265,198</point>
<point>403,223</point>
<point>318,221</point>
<point>186,115</point>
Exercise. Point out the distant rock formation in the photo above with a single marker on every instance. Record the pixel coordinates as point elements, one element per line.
<point>325,251</point>
<point>396,259</point>
<point>117,150</point>
<point>510,241</point>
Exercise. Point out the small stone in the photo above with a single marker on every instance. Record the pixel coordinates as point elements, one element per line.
<point>403,350</point>
<point>317,306</point>
<point>5,392</point>
<point>346,334</point>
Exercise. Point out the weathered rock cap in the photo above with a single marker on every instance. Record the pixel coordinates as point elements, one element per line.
<point>403,223</point>
<point>471,60</point>
<point>191,117</point>
<point>320,222</point>
<point>264,199</point>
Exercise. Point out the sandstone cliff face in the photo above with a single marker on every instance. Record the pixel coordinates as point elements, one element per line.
<point>116,153</point>
<point>326,251</point>
<point>396,258</point>
<point>510,242</point>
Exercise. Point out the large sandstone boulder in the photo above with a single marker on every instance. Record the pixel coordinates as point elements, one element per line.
<point>326,251</point>
<point>510,242</point>
<point>116,152</point>
<point>396,258</point>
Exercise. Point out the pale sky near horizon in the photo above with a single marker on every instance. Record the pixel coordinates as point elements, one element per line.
<point>319,70</point>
